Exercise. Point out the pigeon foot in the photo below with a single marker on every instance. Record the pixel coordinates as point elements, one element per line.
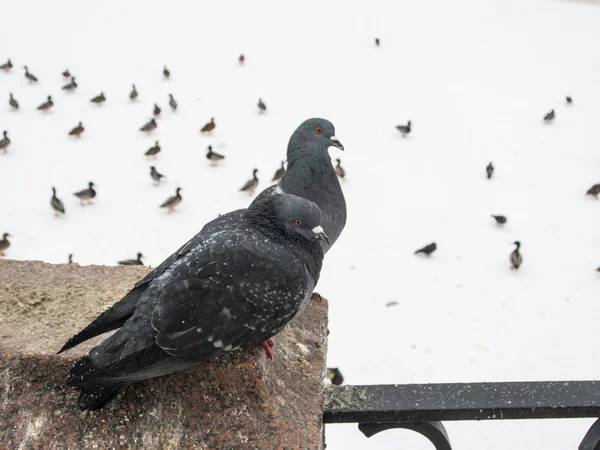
<point>267,345</point>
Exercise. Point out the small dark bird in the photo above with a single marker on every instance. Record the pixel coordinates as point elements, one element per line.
<point>134,93</point>
<point>279,173</point>
<point>31,77</point>
<point>71,86</point>
<point>172,102</point>
<point>335,376</point>
<point>261,106</point>
<point>6,66</point>
<point>404,129</point>
<point>213,157</point>
<point>57,204</point>
<point>149,126</point>
<point>156,111</point>
<point>569,100</point>
<point>70,259</point>
<point>46,105</point>
<point>377,42</point>
<point>12,102</point>
<point>549,117</point>
<point>172,202</point>
<point>77,130</point>
<point>99,98</point>
<point>4,243</point>
<point>428,249</point>
<point>4,142</point>
<point>242,60</point>
<point>155,175</point>
<point>251,185</point>
<point>86,195</point>
<point>209,126</point>
<point>339,170</point>
<point>154,150</point>
<point>598,269</point>
<point>490,170</point>
<point>594,191</point>
<point>133,262</point>
<point>500,220</point>
<point>166,73</point>
<point>66,73</point>
<point>515,257</point>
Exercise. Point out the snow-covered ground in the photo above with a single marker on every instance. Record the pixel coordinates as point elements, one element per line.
<point>475,77</point>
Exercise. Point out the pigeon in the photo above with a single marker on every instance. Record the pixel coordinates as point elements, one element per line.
<point>166,72</point>
<point>77,130</point>
<point>549,117</point>
<point>241,60</point>
<point>30,77</point>
<point>515,257</point>
<point>71,86</point>
<point>261,106</point>
<point>99,98</point>
<point>172,102</point>
<point>134,93</point>
<point>428,249</point>
<point>149,126</point>
<point>404,129</point>
<point>155,175</point>
<point>593,191</point>
<point>46,105</point>
<point>66,74</point>
<point>57,204</point>
<point>220,292</point>
<point>5,141</point>
<point>156,111</point>
<point>500,220</point>
<point>339,170</point>
<point>598,269</point>
<point>490,170</point>
<point>12,102</point>
<point>213,157</point>
<point>4,243</point>
<point>377,42</point>
<point>70,259</point>
<point>335,376</point>
<point>172,202</point>
<point>279,173</point>
<point>87,194</point>
<point>569,100</point>
<point>133,262</point>
<point>6,66</point>
<point>209,126</point>
<point>251,185</point>
<point>154,150</point>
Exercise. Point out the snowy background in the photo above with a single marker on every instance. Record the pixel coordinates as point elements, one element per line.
<point>475,77</point>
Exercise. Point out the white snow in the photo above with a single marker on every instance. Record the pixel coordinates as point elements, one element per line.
<point>476,77</point>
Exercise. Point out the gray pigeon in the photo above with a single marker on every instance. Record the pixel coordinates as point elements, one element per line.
<point>549,117</point>
<point>5,141</point>
<point>490,170</point>
<point>500,220</point>
<point>13,102</point>
<point>220,292</point>
<point>172,102</point>
<point>155,175</point>
<point>261,106</point>
<point>428,249</point>
<point>133,262</point>
<point>57,204</point>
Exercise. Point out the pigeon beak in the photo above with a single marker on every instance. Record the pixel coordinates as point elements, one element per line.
<point>336,143</point>
<point>320,234</point>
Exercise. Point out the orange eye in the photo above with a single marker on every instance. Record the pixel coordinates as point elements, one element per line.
<point>319,130</point>
<point>297,222</point>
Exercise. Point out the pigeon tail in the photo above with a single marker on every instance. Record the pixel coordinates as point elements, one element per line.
<point>95,398</point>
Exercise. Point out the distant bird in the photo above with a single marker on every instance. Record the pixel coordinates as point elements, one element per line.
<point>500,220</point>
<point>377,42</point>
<point>242,59</point>
<point>598,269</point>
<point>12,102</point>
<point>57,204</point>
<point>569,100</point>
<point>134,93</point>
<point>490,170</point>
<point>251,185</point>
<point>166,73</point>
<point>209,126</point>
<point>593,191</point>
<point>71,86</point>
<point>155,175</point>
<point>4,243</point>
<point>261,106</point>
<point>77,130</point>
<point>31,77</point>
<point>4,142</point>
<point>133,262</point>
<point>99,98</point>
<point>66,73</point>
<point>172,102</point>
<point>335,376</point>
<point>549,117</point>
<point>213,157</point>
<point>156,111</point>
<point>149,126</point>
<point>46,105</point>
<point>87,194</point>
<point>339,170</point>
<point>154,150</point>
<point>404,129</point>
<point>428,249</point>
<point>70,259</point>
<point>6,66</point>
<point>279,173</point>
<point>515,257</point>
<point>172,202</point>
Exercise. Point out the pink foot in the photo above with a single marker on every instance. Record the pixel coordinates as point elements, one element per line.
<point>267,345</point>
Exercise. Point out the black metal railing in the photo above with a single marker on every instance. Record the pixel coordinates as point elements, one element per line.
<point>423,407</point>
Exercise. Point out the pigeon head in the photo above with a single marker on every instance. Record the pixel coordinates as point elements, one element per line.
<point>313,135</point>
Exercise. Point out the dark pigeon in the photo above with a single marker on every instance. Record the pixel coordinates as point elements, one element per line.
<point>377,42</point>
<point>209,126</point>
<point>156,110</point>
<point>242,60</point>
<point>515,257</point>
<point>56,203</point>
<point>490,170</point>
<point>134,93</point>
<point>77,131</point>
<point>154,150</point>
<point>549,117</point>
<point>46,105</point>
<point>172,102</point>
<point>133,262</point>
<point>261,106</point>
<point>405,129</point>
<point>593,191</point>
<point>86,194</point>
<point>155,175</point>
<point>166,73</point>
<point>569,100</point>
<point>500,220</point>
<point>70,259</point>
<point>13,102</point>
<point>30,77</point>
<point>149,126</point>
<point>4,243</point>
<point>428,249</point>
<point>99,98</point>
<point>213,157</point>
<point>70,86</point>
<point>66,74</point>
<point>220,292</point>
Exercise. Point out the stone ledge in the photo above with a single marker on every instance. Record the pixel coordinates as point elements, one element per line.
<point>242,400</point>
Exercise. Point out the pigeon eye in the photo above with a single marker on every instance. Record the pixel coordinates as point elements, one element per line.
<point>297,222</point>
<point>319,130</point>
